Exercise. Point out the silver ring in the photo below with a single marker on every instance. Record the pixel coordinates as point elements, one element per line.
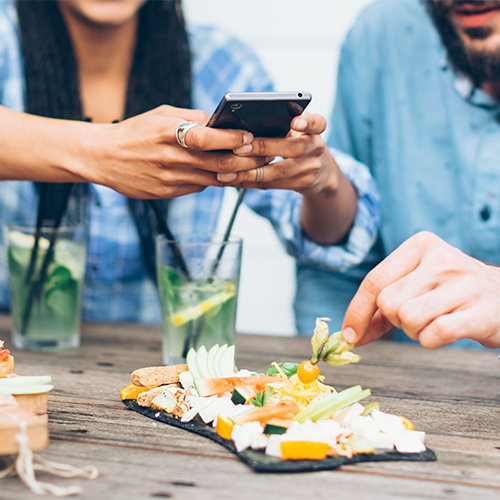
<point>183,129</point>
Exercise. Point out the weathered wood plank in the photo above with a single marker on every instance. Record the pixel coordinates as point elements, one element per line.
<point>452,394</point>
<point>152,474</point>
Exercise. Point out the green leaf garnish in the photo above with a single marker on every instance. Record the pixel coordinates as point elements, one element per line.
<point>288,369</point>
<point>261,397</point>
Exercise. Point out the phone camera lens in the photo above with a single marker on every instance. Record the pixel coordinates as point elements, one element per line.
<point>236,105</point>
<point>300,94</point>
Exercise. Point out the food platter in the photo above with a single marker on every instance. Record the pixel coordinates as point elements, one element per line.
<point>259,462</point>
<point>286,420</point>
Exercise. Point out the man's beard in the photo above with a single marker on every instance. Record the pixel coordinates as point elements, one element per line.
<point>480,66</point>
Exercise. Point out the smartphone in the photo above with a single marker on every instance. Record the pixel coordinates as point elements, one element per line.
<point>265,114</point>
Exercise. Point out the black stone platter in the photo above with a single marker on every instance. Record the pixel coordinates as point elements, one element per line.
<point>260,462</point>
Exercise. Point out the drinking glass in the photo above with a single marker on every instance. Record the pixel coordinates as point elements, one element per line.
<point>198,278</point>
<point>46,270</point>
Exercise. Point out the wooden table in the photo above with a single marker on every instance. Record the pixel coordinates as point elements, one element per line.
<point>452,394</point>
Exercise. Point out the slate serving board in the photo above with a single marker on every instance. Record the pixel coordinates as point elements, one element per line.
<point>260,462</point>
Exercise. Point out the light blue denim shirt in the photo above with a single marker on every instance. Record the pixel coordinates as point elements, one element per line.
<point>430,139</point>
<point>116,284</point>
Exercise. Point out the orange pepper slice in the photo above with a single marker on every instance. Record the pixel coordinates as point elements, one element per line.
<point>303,450</point>
<point>132,391</point>
<point>224,426</point>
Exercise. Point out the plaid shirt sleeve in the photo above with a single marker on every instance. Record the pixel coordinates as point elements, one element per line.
<point>283,209</point>
<point>11,72</point>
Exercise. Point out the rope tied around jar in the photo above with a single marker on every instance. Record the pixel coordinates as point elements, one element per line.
<point>27,462</point>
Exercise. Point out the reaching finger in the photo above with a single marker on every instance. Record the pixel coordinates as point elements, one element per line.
<point>397,265</point>
<point>377,327</point>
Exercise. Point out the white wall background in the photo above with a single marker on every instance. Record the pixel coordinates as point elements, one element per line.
<point>298,43</point>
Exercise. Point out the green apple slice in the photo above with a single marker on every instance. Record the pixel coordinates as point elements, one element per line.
<point>212,353</point>
<point>201,362</point>
<point>21,381</point>
<point>191,362</point>
<point>227,362</point>
<point>30,389</point>
<point>217,360</point>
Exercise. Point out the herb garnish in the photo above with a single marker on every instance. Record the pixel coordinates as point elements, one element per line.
<point>261,397</point>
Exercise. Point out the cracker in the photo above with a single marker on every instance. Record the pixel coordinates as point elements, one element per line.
<point>154,376</point>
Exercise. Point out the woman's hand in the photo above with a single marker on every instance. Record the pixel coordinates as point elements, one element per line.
<point>433,291</point>
<point>307,167</point>
<point>141,157</point>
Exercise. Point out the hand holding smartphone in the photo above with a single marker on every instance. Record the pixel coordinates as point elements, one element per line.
<point>264,114</point>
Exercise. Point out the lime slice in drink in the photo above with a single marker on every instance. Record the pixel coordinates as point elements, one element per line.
<point>19,248</point>
<point>195,312</point>
<point>71,254</point>
<point>26,241</point>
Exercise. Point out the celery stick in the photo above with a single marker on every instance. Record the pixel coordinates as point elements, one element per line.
<point>341,404</point>
<point>328,402</point>
<point>24,381</point>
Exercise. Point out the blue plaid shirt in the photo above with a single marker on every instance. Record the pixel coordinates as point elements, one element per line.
<point>116,284</point>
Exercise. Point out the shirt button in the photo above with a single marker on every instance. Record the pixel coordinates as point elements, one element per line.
<point>485,213</point>
<point>94,267</point>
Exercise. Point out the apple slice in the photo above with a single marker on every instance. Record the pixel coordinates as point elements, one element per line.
<point>201,362</point>
<point>191,362</point>
<point>21,381</point>
<point>26,389</point>
<point>227,362</point>
<point>212,353</point>
<point>217,360</point>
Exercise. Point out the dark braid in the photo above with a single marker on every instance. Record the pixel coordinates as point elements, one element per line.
<point>160,74</point>
<point>161,69</point>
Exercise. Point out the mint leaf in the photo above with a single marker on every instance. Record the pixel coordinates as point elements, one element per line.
<point>262,396</point>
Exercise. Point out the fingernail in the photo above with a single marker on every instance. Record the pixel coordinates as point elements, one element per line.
<point>300,124</point>
<point>349,335</point>
<point>243,149</point>
<point>247,138</point>
<point>226,177</point>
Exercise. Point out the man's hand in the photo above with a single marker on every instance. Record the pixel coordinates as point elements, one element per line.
<point>431,290</point>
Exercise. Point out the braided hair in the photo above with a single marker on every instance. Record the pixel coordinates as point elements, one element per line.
<point>160,74</point>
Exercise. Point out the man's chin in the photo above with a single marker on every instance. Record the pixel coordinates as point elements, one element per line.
<point>473,51</point>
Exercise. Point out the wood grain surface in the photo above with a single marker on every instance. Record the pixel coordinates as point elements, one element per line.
<point>451,394</point>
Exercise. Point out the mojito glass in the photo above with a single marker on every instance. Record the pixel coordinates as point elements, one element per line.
<point>198,279</point>
<point>46,280</point>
